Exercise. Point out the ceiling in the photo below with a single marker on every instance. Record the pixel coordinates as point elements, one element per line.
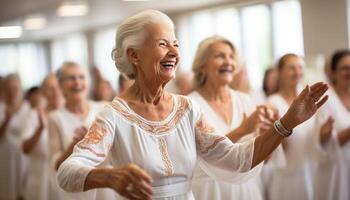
<point>102,13</point>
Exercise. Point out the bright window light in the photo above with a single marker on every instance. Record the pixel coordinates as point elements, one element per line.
<point>35,22</point>
<point>74,8</point>
<point>7,32</point>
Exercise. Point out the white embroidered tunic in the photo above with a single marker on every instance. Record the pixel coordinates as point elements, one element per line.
<point>167,149</point>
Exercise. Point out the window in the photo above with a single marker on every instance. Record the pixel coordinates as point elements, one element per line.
<point>261,33</point>
<point>70,48</point>
<point>104,42</point>
<point>24,59</point>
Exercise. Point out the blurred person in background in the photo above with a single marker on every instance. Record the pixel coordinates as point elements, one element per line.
<point>35,141</point>
<point>214,65</point>
<point>270,82</point>
<point>332,178</point>
<point>104,91</point>
<point>2,96</point>
<point>183,83</point>
<point>13,164</point>
<point>124,83</point>
<point>34,97</point>
<point>68,124</point>
<point>291,176</point>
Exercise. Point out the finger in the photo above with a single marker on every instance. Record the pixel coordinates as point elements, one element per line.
<point>322,101</point>
<point>145,187</point>
<point>305,92</point>
<point>141,173</point>
<point>317,94</point>
<point>316,85</point>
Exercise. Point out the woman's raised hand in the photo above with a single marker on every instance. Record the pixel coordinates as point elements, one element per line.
<point>305,105</point>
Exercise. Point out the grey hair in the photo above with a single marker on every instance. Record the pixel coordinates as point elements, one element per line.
<point>60,71</point>
<point>131,34</point>
<point>201,55</point>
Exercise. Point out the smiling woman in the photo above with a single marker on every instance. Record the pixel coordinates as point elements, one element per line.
<point>154,137</point>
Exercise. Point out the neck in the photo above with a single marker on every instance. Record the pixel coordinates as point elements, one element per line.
<point>78,107</point>
<point>150,92</point>
<point>214,92</point>
<point>289,92</point>
<point>342,90</point>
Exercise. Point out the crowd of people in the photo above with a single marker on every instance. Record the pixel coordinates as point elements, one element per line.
<point>212,138</point>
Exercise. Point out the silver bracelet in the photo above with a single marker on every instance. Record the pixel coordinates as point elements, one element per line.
<point>280,129</point>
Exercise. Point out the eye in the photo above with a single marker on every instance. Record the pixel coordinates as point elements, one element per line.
<point>162,44</point>
<point>176,45</point>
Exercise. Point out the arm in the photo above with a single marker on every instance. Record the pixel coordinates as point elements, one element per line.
<point>29,144</point>
<point>344,136</point>
<point>6,121</point>
<point>79,134</point>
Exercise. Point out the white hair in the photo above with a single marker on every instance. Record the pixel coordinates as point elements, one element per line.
<point>131,34</point>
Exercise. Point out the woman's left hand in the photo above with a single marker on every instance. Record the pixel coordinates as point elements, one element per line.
<point>305,105</point>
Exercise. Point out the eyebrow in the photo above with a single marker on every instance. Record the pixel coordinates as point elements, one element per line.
<point>174,41</point>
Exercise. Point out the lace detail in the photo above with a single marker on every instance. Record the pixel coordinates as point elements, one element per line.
<point>165,157</point>
<point>102,155</point>
<point>204,137</point>
<point>158,129</point>
<point>96,133</point>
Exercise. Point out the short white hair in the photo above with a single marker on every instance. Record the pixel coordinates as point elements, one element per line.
<point>131,34</point>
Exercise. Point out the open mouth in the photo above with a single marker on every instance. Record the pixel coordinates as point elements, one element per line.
<point>168,65</point>
<point>225,71</point>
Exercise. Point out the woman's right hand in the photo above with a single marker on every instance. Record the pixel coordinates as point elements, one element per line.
<point>131,182</point>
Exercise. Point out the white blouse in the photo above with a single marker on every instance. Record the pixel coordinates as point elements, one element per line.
<point>167,149</point>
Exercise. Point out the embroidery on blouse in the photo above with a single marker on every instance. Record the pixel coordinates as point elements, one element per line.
<point>94,136</point>
<point>165,157</point>
<point>154,129</point>
<point>205,139</point>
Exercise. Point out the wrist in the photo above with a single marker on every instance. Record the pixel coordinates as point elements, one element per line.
<point>286,123</point>
<point>97,178</point>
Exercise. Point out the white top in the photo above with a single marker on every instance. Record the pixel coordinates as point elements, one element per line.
<point>38,179</point>
<point>167,149</point>
<point>332,159</point>
<point>62,124</point>
<point>13,164</point>
<point>241,104</point>
<point>292,175</point>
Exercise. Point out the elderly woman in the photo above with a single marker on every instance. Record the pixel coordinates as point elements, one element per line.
<point>154,138</point>
<point>68,124</point>
<point>35,140</point>
<point>214,65</point>
<point>332,142</point>
<point>291,179</point>
<point>13,163</point>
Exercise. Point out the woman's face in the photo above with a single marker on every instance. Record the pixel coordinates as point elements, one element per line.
<point>291,72</point>
<point>220,64</point>
<point>158,58</point>
<point>342,73</point>
<point>74,84</point>
<point>52,91</point>
<point>12,90</point>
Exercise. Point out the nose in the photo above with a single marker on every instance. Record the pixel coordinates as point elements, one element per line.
<point>173,51</point>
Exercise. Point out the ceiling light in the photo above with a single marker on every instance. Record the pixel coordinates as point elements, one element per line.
<point>35,22</point>
<point>73,8</point>
<point>7,32</point>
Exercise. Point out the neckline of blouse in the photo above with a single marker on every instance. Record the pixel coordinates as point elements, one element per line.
<point>124,104</point>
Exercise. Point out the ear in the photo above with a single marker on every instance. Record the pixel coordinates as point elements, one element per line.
<point>132,56</point>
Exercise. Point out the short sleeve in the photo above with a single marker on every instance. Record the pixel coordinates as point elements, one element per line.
<point>91,151</point>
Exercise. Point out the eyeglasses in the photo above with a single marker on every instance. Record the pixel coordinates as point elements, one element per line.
<point>73,77</point>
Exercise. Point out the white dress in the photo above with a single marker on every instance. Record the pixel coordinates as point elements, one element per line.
<point>13,163</point>
<point>206,188</point>
<point>62,126</point>
<point>292,179</point>
<point>37,185</point>
<point>167,150</point>
<point>331,180</point>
